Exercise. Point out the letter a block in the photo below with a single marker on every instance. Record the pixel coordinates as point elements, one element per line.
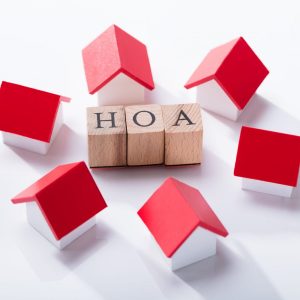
<point>183,134</point>
<point>145,135</point>
<point>106,136</point>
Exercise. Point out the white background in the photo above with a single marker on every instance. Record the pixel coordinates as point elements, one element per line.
<point>41,44</point>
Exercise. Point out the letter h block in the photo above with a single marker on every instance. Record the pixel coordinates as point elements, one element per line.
<point>145,135</point>
<point>106,136</point>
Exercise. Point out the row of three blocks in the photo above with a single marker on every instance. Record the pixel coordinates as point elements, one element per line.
<point>144,135</point>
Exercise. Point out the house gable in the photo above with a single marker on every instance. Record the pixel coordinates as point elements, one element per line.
<point>37,220</point>
<point>112,52</point>
<point>121,90</point>
<point>199,245</point>
<point>213,98</point>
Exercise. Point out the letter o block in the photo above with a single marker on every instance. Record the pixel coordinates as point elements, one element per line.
<point>106,136</point>
<point>145,135</point>
<point>183,134</point>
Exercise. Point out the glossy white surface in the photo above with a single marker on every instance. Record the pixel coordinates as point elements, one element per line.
<point>118,259</point>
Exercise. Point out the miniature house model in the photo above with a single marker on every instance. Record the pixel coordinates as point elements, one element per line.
<point>183,224</point>
<point>227,78</point>
<point>62,205</point>
<point>268,161</point>
<point>29,118</point>
<point>117,68</point>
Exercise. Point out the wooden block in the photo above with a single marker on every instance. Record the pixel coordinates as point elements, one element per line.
<point>183,134</point>
<point>145,135</point>
<point>106,136</point>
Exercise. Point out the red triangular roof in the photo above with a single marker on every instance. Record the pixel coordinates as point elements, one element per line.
<point>67,196</point>
<point>269,156</point>
<point>235,67</point>
<point>28,112</point>
<point>174,211</point>
<point>114,52</point>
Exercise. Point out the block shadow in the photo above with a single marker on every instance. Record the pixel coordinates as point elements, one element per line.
<point>196,175</point>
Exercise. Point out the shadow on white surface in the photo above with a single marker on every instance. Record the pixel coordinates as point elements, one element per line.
<point>146,179</point>
<point>273,201</point>
<point>296,191</point>
<point>233,275</point>
<point>256,110</point>
<point>262,113</point>
<point>66,147</point>
<point>118,272</point>
<point>50,263</point>
<point>270,201</point>
<point>83,247</point>
<point>160,95</point>
<point>210,167</point>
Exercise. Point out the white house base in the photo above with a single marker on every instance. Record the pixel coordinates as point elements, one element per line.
<point>199,245</point>
<point>38,222</point>
<point>121,90</point>
<point>213,98</point>
<point>267,187</point>
<point>32,144</point>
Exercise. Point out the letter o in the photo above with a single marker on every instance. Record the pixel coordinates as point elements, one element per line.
<point>143,111</point>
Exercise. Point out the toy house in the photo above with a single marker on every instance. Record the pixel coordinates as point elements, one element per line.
<point>117,68</point>
<point>29,118</point>
<point>62,205</point>
<point>227,78</point>
<point>182,222</point>
<point>268,161</point>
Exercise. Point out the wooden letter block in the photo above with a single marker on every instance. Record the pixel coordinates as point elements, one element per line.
<point>145,135</point>
<point>106,136</point>
<point>183,134</point>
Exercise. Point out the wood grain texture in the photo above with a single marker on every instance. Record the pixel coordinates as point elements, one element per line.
<point>107,142</point>
<point>145,135</point>
<point>183,134</point>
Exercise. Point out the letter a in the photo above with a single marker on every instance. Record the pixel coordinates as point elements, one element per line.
<point>181,117</point>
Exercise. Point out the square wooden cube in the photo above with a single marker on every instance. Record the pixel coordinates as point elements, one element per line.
<point>183,134</point>
<point>145,135</point>
<point>106,136</point>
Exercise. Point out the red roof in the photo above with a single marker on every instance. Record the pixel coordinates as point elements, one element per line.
<point>235,67</point>
<point>174,211</point>
<point>114,52</point>
<point>28,112</point>
<point>268,156</point>
<point>67,196</point>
